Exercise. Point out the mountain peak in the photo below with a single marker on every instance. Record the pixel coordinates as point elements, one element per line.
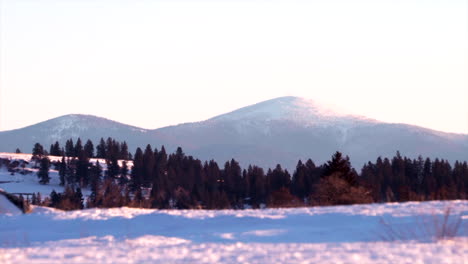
<point>83,121</point>
<point>289,108</point>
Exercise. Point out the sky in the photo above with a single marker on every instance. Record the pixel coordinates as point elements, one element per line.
<point>158,63</point>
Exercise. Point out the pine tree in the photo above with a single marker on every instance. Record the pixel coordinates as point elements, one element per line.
<point>78,148</point>
<point>37,152</point>
<point>62,171</point>
<point>78,199</point>
<point>95,182</point>
<point>137,170</point>
<point>340,165</point>
<point>299,180</point>
<point>278,178</point>
<point>123,173</point>
<point>89,149</point>
<point>55,149</point>
<point>101,149</point>
<point>257,186</point>
<point>124,151</point>
<point>113,168</point>
<point>112,149</point>
<point>82,169</point>
<point>232,182</point>
<point>70,173</point>
<point>43,173</point>
<point>69,148</point>
<point>149,164</point>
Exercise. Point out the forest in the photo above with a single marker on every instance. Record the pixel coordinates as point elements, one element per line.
<point>157,179</point>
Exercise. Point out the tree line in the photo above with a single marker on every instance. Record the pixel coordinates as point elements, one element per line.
<point>157,179</point>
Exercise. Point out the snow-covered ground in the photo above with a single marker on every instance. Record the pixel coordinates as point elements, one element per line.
<point>340,234</point>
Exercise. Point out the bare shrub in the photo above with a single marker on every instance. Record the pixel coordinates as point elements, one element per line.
<point>283,198</point>
<point>333,190</point>
<point>432,227</point>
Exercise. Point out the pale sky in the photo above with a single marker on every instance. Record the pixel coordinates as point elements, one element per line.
<point>158,63</point>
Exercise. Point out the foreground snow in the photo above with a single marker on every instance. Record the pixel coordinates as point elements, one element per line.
<point>341,234</point>
<point>155,249</point>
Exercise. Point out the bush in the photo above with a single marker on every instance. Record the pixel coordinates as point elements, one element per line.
<point>333,190</point>
<point>284,198</point>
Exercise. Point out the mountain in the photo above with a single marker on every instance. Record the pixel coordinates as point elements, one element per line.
<point>70,126</point>
<point>286,129</point>
<point>281,130</point>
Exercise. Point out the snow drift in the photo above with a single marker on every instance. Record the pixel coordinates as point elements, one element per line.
<point>7,207</point>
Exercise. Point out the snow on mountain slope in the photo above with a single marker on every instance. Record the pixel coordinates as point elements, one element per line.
<point>339,234</point>
<point>299,110</point>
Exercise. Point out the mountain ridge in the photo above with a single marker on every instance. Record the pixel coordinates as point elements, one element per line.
<point>281,130</point>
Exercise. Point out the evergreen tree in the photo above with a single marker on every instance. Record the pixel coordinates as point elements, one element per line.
<point>70,172</point>
<point>149,164</point>
<point>95,176</point>
<point>299,180</point>
<point>55,149</point>
<point>123,173</point>
<point>78,199</point>
<point>278,178</point>
<point>137,170</point>
<point>43,173</point>
<point>101,149</point>
<point>78,148</point>
<point>37,152</point>
<point>113,168</point>
<point>69,148</point>
<point>232,182</point>
<point>62,171</point>
<point>112,149</point>
<point>257,186</point>
<point>342,167</point>
<point>124,151</point>
<point>89,149</point>
<point>82,169</point>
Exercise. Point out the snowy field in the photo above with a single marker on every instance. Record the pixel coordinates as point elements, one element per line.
<point>29,183</point>
<point>341,234</point>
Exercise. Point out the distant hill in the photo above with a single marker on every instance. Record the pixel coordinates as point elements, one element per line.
<point>70,126</point>
<point>281,130</point>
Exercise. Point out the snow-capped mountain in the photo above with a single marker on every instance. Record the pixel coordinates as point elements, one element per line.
<point>299,110</point>
<point>281,130</point>
<point>287,129</point>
